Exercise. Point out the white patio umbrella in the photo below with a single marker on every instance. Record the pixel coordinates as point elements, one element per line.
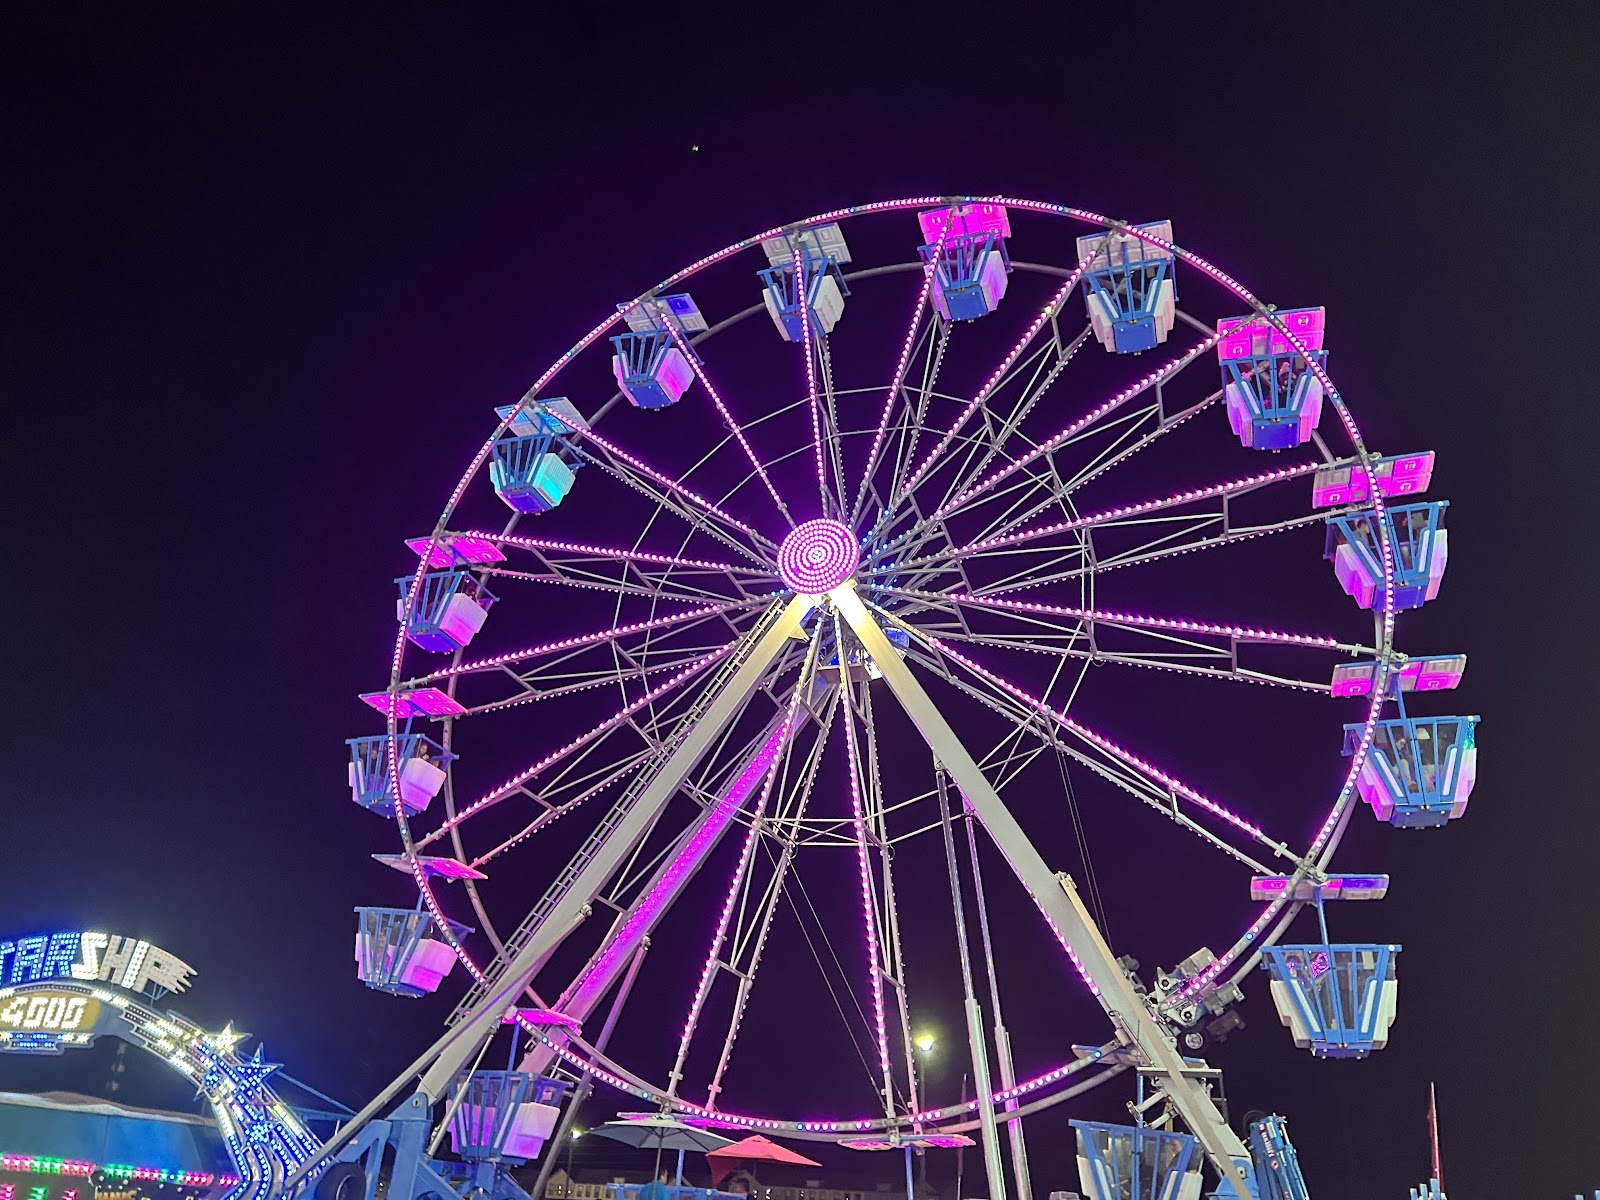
<point>659,1132</point>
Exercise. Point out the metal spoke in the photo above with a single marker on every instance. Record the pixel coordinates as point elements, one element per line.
<point>1180,645</point>
<point>554,812</point>
<point>554,685</point>
<point>1047,369</point>
<point>894,966</point>
<point>916,417</point>
<point>636,572</point>
<point>1160,375</point>
<point>1120,515</point>
<point>698,366</point>
<point>617,720</point>
<point>900,369</point>
<point>1174,787</point>
<point>1044,318</point>
<point>589,639</point>
<point>672,496</point>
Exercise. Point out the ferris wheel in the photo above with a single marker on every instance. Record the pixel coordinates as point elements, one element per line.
<point>911,561</point>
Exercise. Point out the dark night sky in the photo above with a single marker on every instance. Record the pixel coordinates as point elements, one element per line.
<point>264,276</point>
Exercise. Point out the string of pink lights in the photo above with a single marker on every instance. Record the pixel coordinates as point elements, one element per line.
<point>752,835</point>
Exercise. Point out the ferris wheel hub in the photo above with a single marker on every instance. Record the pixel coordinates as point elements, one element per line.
<point>818,556</point>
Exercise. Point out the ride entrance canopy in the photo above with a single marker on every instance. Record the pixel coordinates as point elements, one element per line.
<point>967,476</point>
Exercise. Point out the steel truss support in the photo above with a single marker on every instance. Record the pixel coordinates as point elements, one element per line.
<point>751,775</point>
<point>569,1115</point>
<point>631,929</point>
<point>1058,899</point>
<point>443,1061</point>
<point>570,909</point>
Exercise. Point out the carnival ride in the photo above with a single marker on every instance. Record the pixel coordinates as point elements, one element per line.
<point>63,991</point>
<point>698,656</point>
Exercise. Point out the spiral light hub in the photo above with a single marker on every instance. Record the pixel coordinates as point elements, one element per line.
<point>818,556</point>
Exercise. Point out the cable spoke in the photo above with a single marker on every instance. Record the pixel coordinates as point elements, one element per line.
<point>1044,318</point>
<point>1160,375</point>
<point>1174,787</point>
<point>748,948</point>
<point>678,499</point>
<point>727,417</point>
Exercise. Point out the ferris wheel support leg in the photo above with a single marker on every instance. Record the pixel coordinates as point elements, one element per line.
<point>632,928</point>
<point>570,909</point>
<point>980,1055</point>
<point>442,1061</point>
<point>585,1085</point>
<point>1058,898</point>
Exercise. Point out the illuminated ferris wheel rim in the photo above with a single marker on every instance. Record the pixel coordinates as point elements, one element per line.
<point>1261,932</point>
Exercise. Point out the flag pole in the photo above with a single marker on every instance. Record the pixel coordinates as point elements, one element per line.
<point>1433,1137</point>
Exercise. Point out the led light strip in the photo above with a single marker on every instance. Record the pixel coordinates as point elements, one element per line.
<point>39,1164</point>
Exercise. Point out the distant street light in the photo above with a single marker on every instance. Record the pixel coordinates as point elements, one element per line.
<point>925,1043</point>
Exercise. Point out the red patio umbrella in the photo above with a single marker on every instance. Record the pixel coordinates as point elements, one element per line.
<point>752,1149</point>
